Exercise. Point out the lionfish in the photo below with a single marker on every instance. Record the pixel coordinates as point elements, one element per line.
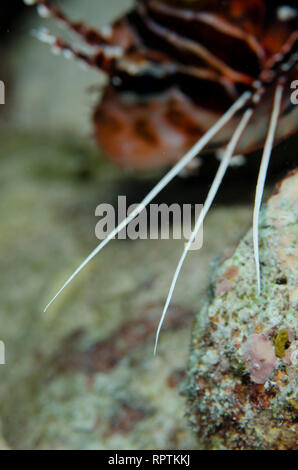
<point>185,76</point>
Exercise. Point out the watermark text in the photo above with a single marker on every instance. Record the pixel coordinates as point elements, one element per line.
<point>2,92</point>
<point>2,353</point>
<point>157,221</point>
<point>294,95</point>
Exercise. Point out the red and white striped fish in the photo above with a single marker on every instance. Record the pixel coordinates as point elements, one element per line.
<point>186,76</point>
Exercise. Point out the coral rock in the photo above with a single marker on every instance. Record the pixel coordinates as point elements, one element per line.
<point>242,368</point>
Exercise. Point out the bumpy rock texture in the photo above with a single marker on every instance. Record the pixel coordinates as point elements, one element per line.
<point>241,380</point>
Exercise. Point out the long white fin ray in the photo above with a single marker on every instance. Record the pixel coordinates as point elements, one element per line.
<point>210,197</point>
<point>262,177</point>
<point>194,151</point>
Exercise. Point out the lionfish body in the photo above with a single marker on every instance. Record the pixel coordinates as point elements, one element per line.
<point>186,76</point>
<point>175,67</point>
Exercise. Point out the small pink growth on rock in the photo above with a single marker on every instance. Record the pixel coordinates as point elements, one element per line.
<point>259,357</point>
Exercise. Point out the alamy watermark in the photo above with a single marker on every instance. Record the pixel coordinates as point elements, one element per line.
<point>2,92</point>
<point>294,95</point>
<point>2,353</point>
<point>157,221</point>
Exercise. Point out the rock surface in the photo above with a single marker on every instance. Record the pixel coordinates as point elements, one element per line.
<point>242,374</point>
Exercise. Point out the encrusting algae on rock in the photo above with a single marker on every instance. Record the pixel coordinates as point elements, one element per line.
<point>242,373</point>
<point>280,343</point>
